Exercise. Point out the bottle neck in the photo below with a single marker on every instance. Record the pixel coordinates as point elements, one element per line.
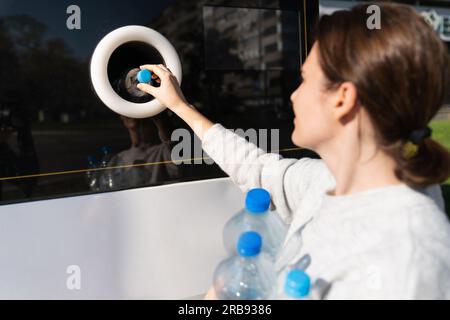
<point>248,259</point>
<point>257,214</point>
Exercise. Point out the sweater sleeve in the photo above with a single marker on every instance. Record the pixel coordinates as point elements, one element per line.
<point>287,180</point>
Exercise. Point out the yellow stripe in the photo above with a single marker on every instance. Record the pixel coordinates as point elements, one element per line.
<point>152,163</point>
<point>117,167</point>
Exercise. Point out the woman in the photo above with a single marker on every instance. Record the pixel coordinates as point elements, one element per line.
<point>370,213</point>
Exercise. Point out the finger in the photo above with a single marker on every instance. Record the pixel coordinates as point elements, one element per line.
<point>160,72</point>
<point>166,68</point>
<point>163,67</point>
<point>146,88</point>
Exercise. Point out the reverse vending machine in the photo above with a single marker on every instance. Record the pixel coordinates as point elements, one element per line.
<point>97,198</point>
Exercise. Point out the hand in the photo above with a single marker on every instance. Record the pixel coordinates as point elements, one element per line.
<point>169,93</point>
<point>211,294</point>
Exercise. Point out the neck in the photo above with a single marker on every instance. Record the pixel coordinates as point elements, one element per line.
<point>358,171</point>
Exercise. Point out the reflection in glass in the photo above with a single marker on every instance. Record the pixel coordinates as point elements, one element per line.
<point>146,162</point>
<point>240,64</point>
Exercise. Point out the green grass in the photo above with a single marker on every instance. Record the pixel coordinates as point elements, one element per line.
<point>441,133</point>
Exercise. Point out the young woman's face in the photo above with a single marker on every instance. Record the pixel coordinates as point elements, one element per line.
<point>314,121</point>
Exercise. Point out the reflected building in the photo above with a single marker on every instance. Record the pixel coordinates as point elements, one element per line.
<point>252,50</point>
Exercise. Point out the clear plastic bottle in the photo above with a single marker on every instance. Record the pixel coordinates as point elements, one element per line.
<point>297,286</point>
<point>126,84</point>
<point>249,275</point>
<point>107,176</point>
<point>92,177</point>
<point>256,217</point>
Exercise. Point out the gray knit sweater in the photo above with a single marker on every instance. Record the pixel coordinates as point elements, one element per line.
<point>385,243</point>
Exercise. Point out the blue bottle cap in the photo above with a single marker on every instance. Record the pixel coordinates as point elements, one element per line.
<point>257,201</point>
<point>249,244</point>
<point>144,76</point>
<point>297,284</point>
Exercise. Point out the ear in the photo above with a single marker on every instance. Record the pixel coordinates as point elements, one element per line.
<point>346,97</point>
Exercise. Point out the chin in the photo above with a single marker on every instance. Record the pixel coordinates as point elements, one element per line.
<point>295,139</point>
<point>300,142</point>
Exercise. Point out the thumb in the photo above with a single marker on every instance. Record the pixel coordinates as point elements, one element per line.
<point>146,88</point>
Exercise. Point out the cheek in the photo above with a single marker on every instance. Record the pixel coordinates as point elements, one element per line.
<point>303,108</point>
<point>303,123</point>
<point>311,121</point>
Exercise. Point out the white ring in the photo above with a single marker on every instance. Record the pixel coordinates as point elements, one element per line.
<point>99,69</point>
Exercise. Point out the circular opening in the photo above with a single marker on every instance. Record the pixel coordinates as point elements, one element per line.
<point>126,58</point>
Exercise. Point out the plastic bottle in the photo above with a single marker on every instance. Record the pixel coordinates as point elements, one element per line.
<point>125,85</point>
<point>107,181</point>
<point>92,177</point>
<point>297,286</point>
<point>248,275</point>
<point>256,217</point>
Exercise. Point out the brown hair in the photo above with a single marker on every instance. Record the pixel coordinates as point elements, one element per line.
<point>401,73</point>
